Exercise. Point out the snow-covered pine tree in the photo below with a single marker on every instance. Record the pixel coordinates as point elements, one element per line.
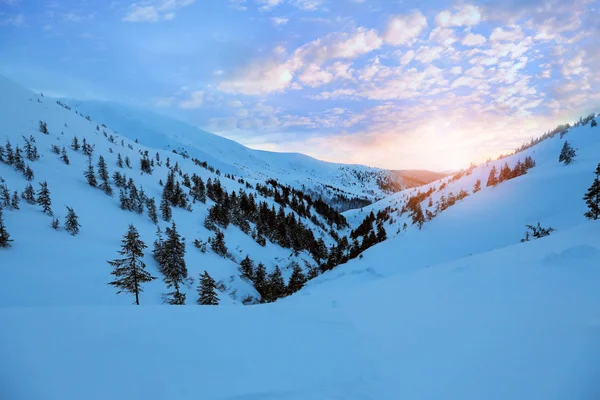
<point>567,154</point>
<point>4,196</point>
<point>297,279</point>
<point>14,202</point>
<point>55,223</point>
<point>492,178</point>
<point>207,291</point>
<point>28,173</point>
<point>75,144</point>
<point>275,285</point>
<point>592,197</point>
<point>127,162</point>
<point>43,127</point>
<point>247,268</point>
<point>64,156</point>
<point>130,271</point>
<point>28,194</point>
<point>151,207</point>
<point>72,222</point>
<point>4,235</point>
<point>104,177</point>
<point>43,198</point>
<point>477,186</point>
<point>172,264</point>
<point>165,207</point>
<point>90,175</point>
<point>217,243</point>
<point>119,161</point>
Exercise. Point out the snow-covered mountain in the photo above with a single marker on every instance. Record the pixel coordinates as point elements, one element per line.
<point>452,305</point>
<point>330,180</point>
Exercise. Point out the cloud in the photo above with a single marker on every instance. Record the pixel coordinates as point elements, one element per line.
<point>194,100</point>
<point>155,10</point>
<point>268,5</point>
<point>238,5</point>
<point>443,36</point>
<point>473,39</point>
<point>407,57</point>
<point>16,20</point>
<point>426,54</point>
<point>511,34</point>
<point>307,5</point>
<point>279,21</point>
<point>465,15</point>
<point>404,29</point>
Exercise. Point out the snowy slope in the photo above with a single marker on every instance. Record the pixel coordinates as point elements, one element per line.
<point>521,322</point>
<point>550,193</point>
<point>297,170</point>
<point>66,270</point>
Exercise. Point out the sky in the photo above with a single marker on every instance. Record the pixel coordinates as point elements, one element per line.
<point>387,83</point>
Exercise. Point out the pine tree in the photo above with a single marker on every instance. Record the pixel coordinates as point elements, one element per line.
<point>165,208</point>
<point>260,279</point>
<point>217,244</point>
<point>75,144</point>
<point>381,233</point>
<point>275,285</point>
<point>417,216</point>
<point>127,162</point>
<point>567,154</point>
<point>55,224</point>
<point>28,173</point>
<point>492,178</point>
<point>103,175</point>
<point>297,279</point>
<point>247,268</point>
<point>477,186</point>
<point>90,174</point>
<point>594,123</point>
<point>172,264</point>
<point>43,198</point>
<point>14,203</point>
<point>4,235</point>
<point>4,196</point>
<point>64,156</point>
<point>130,271</point>
<point>43,127</point>
<point>72,222</point>
<point>592,197</point>
<point>119,161</point>
<point>28,194</point>
<point>207,291</point>
<point>151,206</point>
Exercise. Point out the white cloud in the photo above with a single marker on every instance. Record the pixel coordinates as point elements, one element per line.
<point>279,21</point>
<point>456,70</point>
<point>407,57</point>
<point>155,10</point>
<point>307,5</point>
<point>443,36</point>
<point>426,54</point>
<point>507,35</point>
<point>466,15</point>
<point>267,5</point>
<point>195,100</point>
<point>473,39</point>
<point>17,20</point>
<point>404,29</point>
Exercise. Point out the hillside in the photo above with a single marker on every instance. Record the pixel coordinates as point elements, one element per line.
<point>416,177</point>
<point>330,180</point>
<point>442,303</point>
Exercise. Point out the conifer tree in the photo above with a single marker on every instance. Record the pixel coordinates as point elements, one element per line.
<point>90,175</point>
<point>127,162</point>
<point>55,224</point>
<point>43,127</point>
<point>260,279</point>
<point>567,154</point>
<point>4,235</point>
<point>381,233</point>
<point>43,198</point>
<point>75,144</point>
<point>14,203</point>
<point>103,175</point>
<point>592,197</point>
<point>207,291</point>
<point>4,196</point>
<point>297,279</point>
<point>28,194</point>
<point>417,216</point>
<point>247,268</point>
<point>594,123</point>
<point>28,173</point>
<point>477,186</point>
<point>172,264</point>
<point>217,244</point>
<point>64,156</point>
<point>151,206</point>
<point>492,178</point>
<point>275,285</point>
<point>130,271</point>
<point>165,208</point>
<point>119,161</point>
<point>72,222</point>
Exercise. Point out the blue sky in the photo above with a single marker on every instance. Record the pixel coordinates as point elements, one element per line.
<point>390,83</point>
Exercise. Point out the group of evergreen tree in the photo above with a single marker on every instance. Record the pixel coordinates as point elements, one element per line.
<point>567,154</point>
<point>272,286</point>
<point>507,173</point>
<point>592,197</point>
<point>536,232</point>
<point>15,158</point>
<point>5,239</point>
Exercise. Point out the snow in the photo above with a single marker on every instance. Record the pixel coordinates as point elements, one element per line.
<point>458,310</point>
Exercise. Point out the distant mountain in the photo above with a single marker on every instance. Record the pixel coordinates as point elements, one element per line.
<point>416,177</point>
<point>342,185</point>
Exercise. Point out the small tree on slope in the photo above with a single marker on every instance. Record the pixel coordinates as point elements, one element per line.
<point>72,222</point>
<point>567,154</point>
<point>492,178</point>
<point>130,271</point>
<point>207,291</point>
<point>592,197</point>
<point>172,264</point>
<point>44,198</point>
<point>4,235</point>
